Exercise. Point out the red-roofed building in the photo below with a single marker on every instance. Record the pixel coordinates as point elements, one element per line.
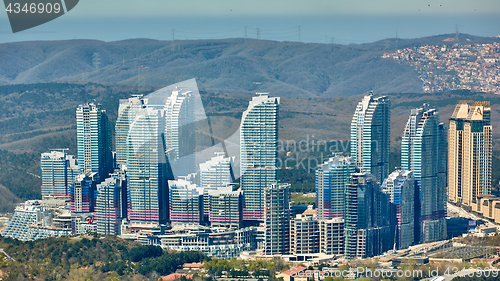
<point>175,276</point>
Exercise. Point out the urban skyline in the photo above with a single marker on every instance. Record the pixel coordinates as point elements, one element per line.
<point>360,215</point>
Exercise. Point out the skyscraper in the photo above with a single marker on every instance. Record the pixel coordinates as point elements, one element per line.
<point>367,222</point>
<point>331,180</point>
<point>469,152</point>
<point>277,215</point>
<point>125,117</point>
<point>148,169</point>
<point>93,140</point>
<point>58,170</point>
<point>258,153</point>
<point>423,151</point>
<point>400,185</point>
<point>370,136</point>
<point>179,131</point>
<point>111,204</point>
<point>82,193</point>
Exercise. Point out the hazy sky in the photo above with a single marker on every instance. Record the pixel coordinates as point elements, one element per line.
<point>284,7</point>
<point>322,21</point>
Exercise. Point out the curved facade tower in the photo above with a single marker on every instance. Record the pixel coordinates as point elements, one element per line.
<point>423,151</point>
<point>258,153</point>
<point>125,117</point>
<point>147,167</point>
<point>370,136</point>
<point>332,178</point>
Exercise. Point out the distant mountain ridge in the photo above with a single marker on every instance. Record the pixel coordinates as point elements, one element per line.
<point>290,69</point>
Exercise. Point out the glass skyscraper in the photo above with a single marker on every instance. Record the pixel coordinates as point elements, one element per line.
<point>332,178</point>
<point>370,136</point>
<point>125,117</point>
<point>180,131</point>
<point>258,153</point>
<point>93,141</point>
<point>423,151</point>
<point>400,185</point>
<point>147,167</point>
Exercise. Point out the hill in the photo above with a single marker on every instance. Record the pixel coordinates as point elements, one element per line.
<point>288,69</point>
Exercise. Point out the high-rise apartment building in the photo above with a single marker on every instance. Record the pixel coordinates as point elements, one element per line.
<point>331,237</point>
<point>111,204</point>
<point>148,170</point>
<point>400,185</point>
<point>469,152</point>
<point>186,202</point>
<point>125,117</point>
<point>82,193</point>
<point>93,140</point>
<point>225,207</point>
<point>423,151</point>
<point>58,170</point>
<point>277,215</point>
<point>304,235</point>
<point>370,136</point>
<point>367,219</point>
<point>215,174</point>
<point>179,131</point>
<point>258,153</point>
<point>331,180</point>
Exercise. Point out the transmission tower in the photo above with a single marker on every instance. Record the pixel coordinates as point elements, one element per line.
<point>141,81</point>
<point>245,32</point>
<point>299,31</point>
<point>96,61</point>
<point>456,34</point>
<point>173,40</point>
<point>258,33</point>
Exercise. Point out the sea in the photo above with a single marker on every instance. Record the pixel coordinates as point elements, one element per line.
<point>337,29</point>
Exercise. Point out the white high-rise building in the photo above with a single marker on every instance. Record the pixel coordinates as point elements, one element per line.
<point>147,168</point>
<point>179,131</point>
<point>258,153</point>
<point>370,136</point>
<point>93,140</point>
<point>58,169</point>
<point>125,117</point>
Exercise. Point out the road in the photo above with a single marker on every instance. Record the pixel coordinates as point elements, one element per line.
<point>3,252</point>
